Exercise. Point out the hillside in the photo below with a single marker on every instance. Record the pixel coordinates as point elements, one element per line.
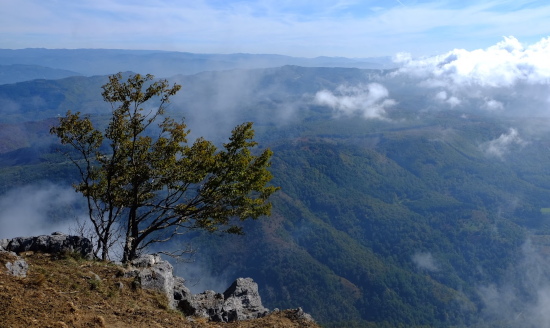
<point>65,292</point>
<point>410,213</point>
<point>19,73</point>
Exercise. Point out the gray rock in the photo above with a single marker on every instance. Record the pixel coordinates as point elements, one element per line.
<point>119,285</point>
<point>18,268</point>
<point>4,244</point>
<point>145,261</point>
<point>155,274</point>
<point>241,301</point>
<point>299,314</point>
<point>209,304</point>
<point>92,276</point>
<point>182,294</point>
<point>56,243</point>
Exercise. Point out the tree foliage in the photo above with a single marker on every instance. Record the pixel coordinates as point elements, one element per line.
<point>141,175</point>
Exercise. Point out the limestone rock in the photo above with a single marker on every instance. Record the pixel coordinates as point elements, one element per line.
<point>55,243</point>
<point>18,268</point>
<point>182,294</point>
<point>154,273</point>
<point>299,314</point>
<point>243,301</point>
<point>4,244</point>
<point>209,304</point>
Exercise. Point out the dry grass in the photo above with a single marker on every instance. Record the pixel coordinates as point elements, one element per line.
<point>65,292</point>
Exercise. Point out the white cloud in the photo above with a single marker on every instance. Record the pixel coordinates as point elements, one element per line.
<point>500,146</point>
<point>441,96</point>
<point>369,101</point>
<point>522,298</point>
<point>425,261</point>
<point>502,65</point>
<point>452,101</point>
<point>492,104</point>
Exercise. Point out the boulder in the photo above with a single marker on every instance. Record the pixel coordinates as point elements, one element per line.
<point>18,268</point>
<point>16,265</point>
<point>208,304</point>
<point>56,243</point>
<point>153,273</point>
<point>182,294</point>
<point>4,244</point>
<point>241,301</point>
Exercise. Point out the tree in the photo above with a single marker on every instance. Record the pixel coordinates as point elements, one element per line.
<point>142,175</point>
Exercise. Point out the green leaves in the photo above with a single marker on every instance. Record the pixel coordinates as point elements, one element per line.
<point>157,186</point>
<point>78,132</point>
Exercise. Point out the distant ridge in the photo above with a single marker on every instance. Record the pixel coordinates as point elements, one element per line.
<point>168,63</point>
<point>22,72</point>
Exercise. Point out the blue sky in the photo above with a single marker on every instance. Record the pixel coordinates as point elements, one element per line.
<point>349,28</point>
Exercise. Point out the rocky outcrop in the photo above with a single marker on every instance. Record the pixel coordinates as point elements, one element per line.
<point>56,243</point>
<point>241,301</point>
<point>151,272</point>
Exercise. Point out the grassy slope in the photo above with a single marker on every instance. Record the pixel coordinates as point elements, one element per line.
<point>64,292</point>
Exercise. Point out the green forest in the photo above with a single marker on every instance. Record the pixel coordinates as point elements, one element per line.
<point>406,221</point>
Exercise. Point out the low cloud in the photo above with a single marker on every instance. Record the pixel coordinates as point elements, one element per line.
<point>493,105</point>
<point>450,100</point>
<point>199,277</point>
<point>523,298</point>
<point>369,101</point>
<point>506,78</point>
<point>425,261</point>
<point>37,209</point>
<point>500,146</point>
<point>502,65</point>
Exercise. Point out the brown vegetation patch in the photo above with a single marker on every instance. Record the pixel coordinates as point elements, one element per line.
<point>65,292</point>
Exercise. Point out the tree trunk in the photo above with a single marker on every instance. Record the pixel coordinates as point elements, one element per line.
<point>131,244</point>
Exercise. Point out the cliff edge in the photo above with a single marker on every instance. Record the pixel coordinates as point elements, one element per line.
<point>50,282</point>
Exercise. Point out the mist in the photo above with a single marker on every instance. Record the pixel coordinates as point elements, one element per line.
<point>425,261</point>
<point>38,209</point>
<point>368,101</point>
<point>502,145</point>
<point>522,298</point>
<point>199,276</point>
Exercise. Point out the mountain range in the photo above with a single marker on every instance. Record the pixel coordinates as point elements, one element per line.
<point>396,209</point>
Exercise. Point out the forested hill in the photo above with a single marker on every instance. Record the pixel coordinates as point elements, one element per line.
<point>408,212</point>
